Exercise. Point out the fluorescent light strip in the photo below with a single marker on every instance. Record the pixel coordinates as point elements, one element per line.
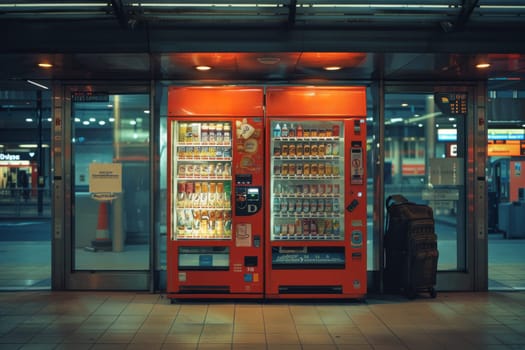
<point>37,84</point>
<point>512,7</point>
<point>54,5</point>
<point>376,6</point>
<point>156,4</point>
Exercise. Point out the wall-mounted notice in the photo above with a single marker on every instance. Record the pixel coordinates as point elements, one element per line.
<point>105,177</point>
<point>446,171</point>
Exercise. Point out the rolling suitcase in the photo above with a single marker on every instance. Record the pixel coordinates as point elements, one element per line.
<point>410,243</point>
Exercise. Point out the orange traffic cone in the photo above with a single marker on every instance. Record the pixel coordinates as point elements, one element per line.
<point>102,240</point>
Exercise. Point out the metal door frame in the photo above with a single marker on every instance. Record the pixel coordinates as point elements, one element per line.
<point>475,276</point>
<point>64,277</point>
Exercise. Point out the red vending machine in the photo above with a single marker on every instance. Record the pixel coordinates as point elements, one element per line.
<point>316,196</point>
<point>215,192</point>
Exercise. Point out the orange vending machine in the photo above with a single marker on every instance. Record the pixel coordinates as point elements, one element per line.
<point>316,197</point>
<point>215,192</point>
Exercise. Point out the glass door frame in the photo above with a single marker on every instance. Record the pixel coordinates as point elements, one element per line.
<point>64,275</point>
<point>474,275</point>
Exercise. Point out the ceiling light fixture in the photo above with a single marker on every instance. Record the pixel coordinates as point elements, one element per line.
<point>268,60</point>
<point>332,68</point>
<point>202,68</point>
<point>482,65</point>
<point>37,84</point>
<point>45,65</point>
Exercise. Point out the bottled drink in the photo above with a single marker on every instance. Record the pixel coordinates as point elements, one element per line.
<point>299,131</point>
<point>291,132</point>
<point>277,131</point>
<point>284,130</point>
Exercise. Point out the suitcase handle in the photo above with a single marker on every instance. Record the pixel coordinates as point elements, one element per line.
<point>395,198</point>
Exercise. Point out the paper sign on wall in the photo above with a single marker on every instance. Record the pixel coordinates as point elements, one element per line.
<point>105,178</point>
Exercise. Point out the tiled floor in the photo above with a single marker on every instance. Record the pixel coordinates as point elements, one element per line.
<point>109,320</point>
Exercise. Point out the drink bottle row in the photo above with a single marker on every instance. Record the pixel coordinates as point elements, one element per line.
<point>221,170</point>
<point>204,132</point>
<point>306,189</point>
<point>306,228</point>
<point>204,195</point>
<point>306,169</point>
<point>299,131</point>
<point>305,149</point>
<point>199,152</point>
<point>289,206</point>
<point>197,223</point>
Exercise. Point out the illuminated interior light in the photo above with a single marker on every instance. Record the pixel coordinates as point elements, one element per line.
<point>111,120</point>
<point>268,60</point>
<point>101,122</point>
<point>202,68</point>
<point>135,136</point>
<point>482,65</point>
<point>49,119</point>
<point>28,145</point>
<point>420,125</point>
<point>132,122</point>
<point>92,120</point>
<point>146,111</point>
<point>77,120</point>
<point>29,120</point>
<point>45,65</point>
<point>85,122</point>
<point>332,68</point>
<point>110,106</point>
<point>404,104</point>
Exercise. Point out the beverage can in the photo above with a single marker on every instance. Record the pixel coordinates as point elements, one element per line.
<point>336,188</point>
<point>335,130</point>
<point>322,149</point>
<point>322,169</point>
<point>284,205</point>
<point>328,207</point>
<point>314,150</point>
<point>320,205</point>
<point>284,149</point>
<point>328,150</point>
<point>299,206</point>
<point>306,149</point>
<point>292,169</point>
<point>306,169</point>
<point>284,169</point>
<point>277,170</point>
<point>313,205</point>
<point>292,150</point>
<point>299,149</point>
<point>335,206</point>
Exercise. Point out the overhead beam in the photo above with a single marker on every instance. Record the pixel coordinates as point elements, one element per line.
<point>119,9</point>
<point>291,12</point>
<point>467,8</point>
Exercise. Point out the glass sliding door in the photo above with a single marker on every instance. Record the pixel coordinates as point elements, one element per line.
<point>425,160</point>
<point>110,189</point>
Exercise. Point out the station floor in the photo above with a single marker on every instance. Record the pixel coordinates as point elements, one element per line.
<point>116,320</point>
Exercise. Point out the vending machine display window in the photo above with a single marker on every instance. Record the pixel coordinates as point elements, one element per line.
<point>203,180</point>
<point>307,181</point>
